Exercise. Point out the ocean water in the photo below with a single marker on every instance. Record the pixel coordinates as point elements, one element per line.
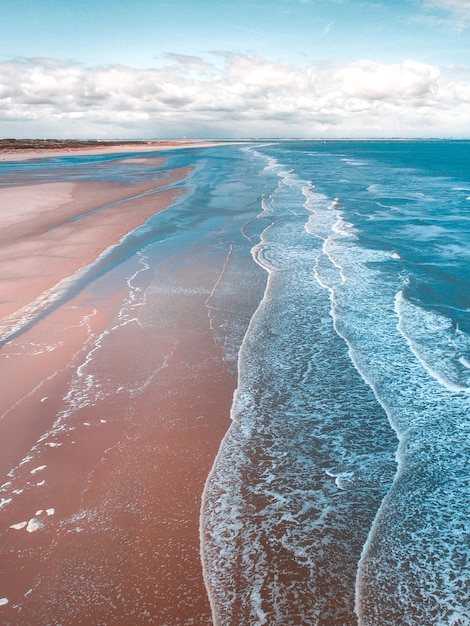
<point>338,291</point>
<point>341,492</point>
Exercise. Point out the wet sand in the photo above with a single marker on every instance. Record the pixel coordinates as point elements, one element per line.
<point>42,242</point>
<point>109,423</point>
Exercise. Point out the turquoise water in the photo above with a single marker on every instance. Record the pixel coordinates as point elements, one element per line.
<point>340,495</point>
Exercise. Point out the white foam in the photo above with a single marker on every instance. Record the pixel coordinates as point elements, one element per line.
<point>33,525</point>
<point>465,362</point>
<point>3,601</point>
<point>19,525</point>
<point>343,228</point>
<point>27,458</point>
<point>435,343</point>
<point>14,322</point>
<point>354,162</point>
<point>38,469</point>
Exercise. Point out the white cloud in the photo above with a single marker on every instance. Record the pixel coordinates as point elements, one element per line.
<point>375,81</point>
<point>456,12</point>
<point>243,96</point>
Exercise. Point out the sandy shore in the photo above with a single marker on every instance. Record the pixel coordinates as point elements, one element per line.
<point>156,146</point>
<point>109,423</point>
<point>42,241</point>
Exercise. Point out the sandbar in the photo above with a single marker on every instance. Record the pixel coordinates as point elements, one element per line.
<point>148,146</point>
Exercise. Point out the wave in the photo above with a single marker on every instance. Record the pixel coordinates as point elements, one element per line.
<point>339,492</point>
<point>273,526</point>
<point>439,346</point>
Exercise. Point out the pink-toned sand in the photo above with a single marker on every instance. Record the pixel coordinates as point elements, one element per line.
<point>108,429</point>
<point>40,245</point>
<point>150,146</point>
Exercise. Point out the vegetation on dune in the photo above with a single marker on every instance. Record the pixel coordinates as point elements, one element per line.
<point>54,144</point>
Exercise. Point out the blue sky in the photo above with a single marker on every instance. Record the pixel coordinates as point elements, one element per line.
<point>208,68</point>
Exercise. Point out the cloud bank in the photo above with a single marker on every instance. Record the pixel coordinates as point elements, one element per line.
<point>232,96</point>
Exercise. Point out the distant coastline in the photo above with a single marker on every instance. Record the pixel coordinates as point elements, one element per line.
<point>25,149</point>
<point>54,144</point>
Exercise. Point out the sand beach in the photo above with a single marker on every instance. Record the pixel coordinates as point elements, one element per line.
<point>69,149</point>
<point>103,461</point>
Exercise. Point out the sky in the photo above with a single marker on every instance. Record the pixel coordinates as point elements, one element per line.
<point>150,69</point>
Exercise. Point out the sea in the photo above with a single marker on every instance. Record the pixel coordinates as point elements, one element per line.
<point>340,298</point>
<point>340,494</point>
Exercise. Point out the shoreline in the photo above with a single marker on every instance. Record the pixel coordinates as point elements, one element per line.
<point>27,154</point>
<point>52,230</point>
